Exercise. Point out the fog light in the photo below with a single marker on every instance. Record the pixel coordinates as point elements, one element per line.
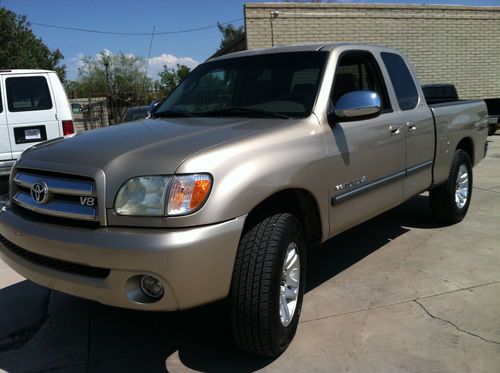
<point>152,287</point>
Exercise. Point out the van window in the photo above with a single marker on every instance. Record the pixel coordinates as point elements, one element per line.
<point>1,105</point>
<point>402,81</point>
<point>28,94</point>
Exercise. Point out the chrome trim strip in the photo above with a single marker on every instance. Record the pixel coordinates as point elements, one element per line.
<point>56,208</point>
<point>57,185</point>
<point>419,167</point>
<point>342,197</point>
<point>345,196</point>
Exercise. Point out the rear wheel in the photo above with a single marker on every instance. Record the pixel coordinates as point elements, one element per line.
<point>450,201</point>
<point>268,285</point>
<point>492,129</point>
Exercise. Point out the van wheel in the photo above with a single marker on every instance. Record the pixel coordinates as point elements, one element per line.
<point>450,201</point>
<point>268,285</point>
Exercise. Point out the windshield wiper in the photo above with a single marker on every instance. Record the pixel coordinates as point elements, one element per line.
<point>241,111</point>
<point>170,114</point>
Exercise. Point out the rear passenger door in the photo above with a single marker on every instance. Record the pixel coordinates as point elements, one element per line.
<point>368,160</point>
<point>31,111</point>
<point>5,151</point>
<point>418,128</point>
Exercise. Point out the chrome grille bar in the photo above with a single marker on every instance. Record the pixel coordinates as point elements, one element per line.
<point>62,196</point>
<point>58,208</point>
<point>70,187</point>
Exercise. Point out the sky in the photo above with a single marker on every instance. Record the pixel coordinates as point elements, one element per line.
<point>133,16</point>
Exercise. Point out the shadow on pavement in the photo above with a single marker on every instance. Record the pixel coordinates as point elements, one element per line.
<point>344,250</point>
<point>78,335</point>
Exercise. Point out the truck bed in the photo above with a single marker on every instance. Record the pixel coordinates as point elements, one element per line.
<point>463,120</point>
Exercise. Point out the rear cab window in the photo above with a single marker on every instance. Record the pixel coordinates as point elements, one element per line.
<point>28,93</point>
<point>402,80</point>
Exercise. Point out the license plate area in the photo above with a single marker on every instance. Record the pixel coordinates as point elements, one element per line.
<point>24,135</point>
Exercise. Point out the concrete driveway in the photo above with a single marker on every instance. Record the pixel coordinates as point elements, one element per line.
<point>396,294</point>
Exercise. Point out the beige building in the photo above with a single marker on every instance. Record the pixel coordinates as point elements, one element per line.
<point>445,44</point>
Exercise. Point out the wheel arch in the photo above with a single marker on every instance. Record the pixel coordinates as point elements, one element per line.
<point>467,145</point>
<point>299,202</point>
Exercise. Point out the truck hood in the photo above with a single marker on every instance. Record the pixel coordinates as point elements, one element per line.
<point>147,147</point>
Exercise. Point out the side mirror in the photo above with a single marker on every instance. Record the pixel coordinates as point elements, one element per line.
<point>76,108</point>
<point>153,107</point>
<point>358,104</point>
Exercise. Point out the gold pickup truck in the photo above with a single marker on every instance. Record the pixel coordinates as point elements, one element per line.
<point>253,158</point>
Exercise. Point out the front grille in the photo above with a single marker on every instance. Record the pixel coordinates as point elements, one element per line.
<point>57,195</point>
<point>56,264</point>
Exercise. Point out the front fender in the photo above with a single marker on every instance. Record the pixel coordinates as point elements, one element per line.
<point>249,170</point>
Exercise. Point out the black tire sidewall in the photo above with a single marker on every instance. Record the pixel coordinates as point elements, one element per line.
<point>282,336</point>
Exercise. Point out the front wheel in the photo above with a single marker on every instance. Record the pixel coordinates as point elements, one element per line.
<point>268,285</point>
<point>450,201</point>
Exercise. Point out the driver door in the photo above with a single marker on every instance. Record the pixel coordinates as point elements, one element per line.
<point>367,155</point>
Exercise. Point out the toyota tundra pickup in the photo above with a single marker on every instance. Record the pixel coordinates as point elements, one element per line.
<point>255,157</point>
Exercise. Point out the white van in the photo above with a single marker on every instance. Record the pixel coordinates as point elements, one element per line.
<point>33,108</point>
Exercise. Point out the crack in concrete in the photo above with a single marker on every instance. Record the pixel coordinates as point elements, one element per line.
<point>422,271</point>
<point>461,289</point>
<point>486,190</point>
<point>397,303</point>
<point>356,311</point>
<point>454,325</point>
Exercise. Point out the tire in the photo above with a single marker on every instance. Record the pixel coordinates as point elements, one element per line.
<point>492,129</point>
<point>256,287</point>
<point>447,205</point>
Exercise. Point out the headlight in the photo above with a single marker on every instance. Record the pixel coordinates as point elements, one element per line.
<point>163,195</point>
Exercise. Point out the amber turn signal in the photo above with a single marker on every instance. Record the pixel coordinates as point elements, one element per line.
<point>188,193</point>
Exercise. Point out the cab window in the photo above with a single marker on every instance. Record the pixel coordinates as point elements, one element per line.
<point>359,71</point>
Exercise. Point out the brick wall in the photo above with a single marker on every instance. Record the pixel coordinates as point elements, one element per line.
<point>445,44</point>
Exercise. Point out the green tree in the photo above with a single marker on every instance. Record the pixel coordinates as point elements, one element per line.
<point>120,77</point>
<point>170,78</point>
<point>229,33</point>
<point>21,49</point>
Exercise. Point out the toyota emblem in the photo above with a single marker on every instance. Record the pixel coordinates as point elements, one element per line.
<point>40,192</point>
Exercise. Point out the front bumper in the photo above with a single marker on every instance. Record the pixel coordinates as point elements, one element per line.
<point>194,264</point>
<point>6,166</point>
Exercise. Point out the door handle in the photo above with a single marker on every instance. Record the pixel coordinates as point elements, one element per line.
<point>395,130</point>
<point>411,126</point>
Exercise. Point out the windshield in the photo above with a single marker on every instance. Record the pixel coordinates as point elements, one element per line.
<point>279,85</point>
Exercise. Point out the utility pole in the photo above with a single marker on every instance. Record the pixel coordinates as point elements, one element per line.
<point>109,101</point>
<point>147,63</point>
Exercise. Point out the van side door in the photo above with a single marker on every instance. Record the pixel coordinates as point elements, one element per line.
<point>31,110</point>
<point>419,125</point>
<point>5,150</point>
<point>367,157</point>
